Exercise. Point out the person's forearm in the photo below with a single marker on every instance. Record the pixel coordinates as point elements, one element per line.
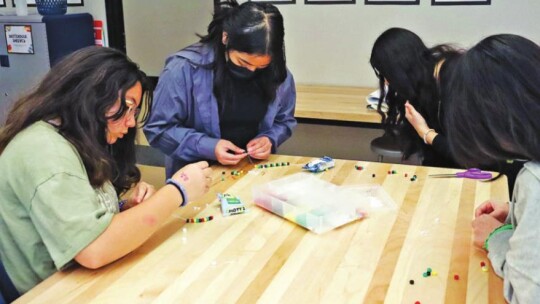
<point>131,228</point>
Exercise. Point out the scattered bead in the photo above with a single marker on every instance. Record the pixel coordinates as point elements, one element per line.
<point>482,264</point>
<point>434,273</point>
<point>485,269</point>
<point>389,172</point>
<point>425,274</point>
<point>456,277</point>
<point>411,282</point>
<point>406,175</point>
<point>429,269</point>
<point>394,172</point>
<point>417,302</point>
<point>373,175</point>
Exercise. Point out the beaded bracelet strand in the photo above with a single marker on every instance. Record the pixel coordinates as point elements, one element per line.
<point>271,165</point>
<point>200,219</point>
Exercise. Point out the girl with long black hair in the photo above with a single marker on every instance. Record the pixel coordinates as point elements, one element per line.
<point>492,115</point>
<point>409,74</point>
<point>228,96</point>
<point>413,78</point>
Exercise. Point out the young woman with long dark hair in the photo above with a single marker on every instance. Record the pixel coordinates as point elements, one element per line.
<point>413,77</point>
<point>67,152</point>
<point>228,96</point>
<point>493,114</point>
<point>409,73</point>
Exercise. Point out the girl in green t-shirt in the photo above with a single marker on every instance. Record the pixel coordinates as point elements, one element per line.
<point>67,152</point>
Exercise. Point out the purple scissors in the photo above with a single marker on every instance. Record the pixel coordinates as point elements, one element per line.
<point>473,173</point>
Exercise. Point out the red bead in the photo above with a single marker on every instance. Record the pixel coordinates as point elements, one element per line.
<point>456,277</point>
<point>417,302</point>
<point>406,175</point>
<point>482,263</point>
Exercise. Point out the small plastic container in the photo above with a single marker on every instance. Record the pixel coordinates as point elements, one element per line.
<point>51,7</point>
<point>320,206</point>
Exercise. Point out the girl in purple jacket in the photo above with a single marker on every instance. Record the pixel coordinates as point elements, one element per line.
<point>228,96</point>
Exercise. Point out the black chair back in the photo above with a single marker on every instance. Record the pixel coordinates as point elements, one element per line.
<point>8,292</point>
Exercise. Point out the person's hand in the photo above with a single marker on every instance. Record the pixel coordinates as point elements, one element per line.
<point>260,147</point>
<point>195,178</point>
<point>482,227</point>
<point>139,193</point>
<point>416,119</point>
<point>223,153</point>
<point>494,209</point>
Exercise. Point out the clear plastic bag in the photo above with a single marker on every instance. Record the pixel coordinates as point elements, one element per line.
<point>318,205</point>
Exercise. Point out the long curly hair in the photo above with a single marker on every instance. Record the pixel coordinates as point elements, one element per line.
<point>79,90</point>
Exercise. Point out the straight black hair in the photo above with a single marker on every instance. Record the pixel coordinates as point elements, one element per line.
<point>401,57</point>
<point>79,90</point>
<point>493,98</point>
<point>253,28</point>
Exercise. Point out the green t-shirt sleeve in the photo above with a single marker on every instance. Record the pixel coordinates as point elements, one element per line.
<point>69,215</point>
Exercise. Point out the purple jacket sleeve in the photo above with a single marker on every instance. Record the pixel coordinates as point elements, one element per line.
<point>169,125</point>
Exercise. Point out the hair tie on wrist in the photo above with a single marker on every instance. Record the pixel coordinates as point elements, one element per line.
<point>426,134</point>
<point>181,189</point>
<point>121,204</point>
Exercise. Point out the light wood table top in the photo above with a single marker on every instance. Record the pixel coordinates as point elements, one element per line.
<point>334,103</point>
<point>261,257</point>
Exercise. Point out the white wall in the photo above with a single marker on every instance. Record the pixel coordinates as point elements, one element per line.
<point>326,44</point>
<point>162,28</point>
<point>331,44</point>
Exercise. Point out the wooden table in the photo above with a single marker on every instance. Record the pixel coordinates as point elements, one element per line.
<point>260,257</point>
<point>334,103</point>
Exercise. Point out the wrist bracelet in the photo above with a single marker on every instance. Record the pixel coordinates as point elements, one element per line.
<point>497,230</point>
<point>181,189</point>
<point>425,135</point>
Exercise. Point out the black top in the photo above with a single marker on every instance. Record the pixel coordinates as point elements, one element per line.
<point>240,117</point>
<point>438,154</point>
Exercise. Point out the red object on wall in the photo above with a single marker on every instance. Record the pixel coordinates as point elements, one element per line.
<point>98,32</point>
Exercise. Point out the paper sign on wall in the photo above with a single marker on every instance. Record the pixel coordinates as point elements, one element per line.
<point>19,39</point>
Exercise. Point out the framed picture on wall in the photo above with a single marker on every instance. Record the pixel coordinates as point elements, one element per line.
<point>70,2</point>
<point>329,1</point>
<point>460,2</point>
<point>275,1</point>
<point>392,2</point>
